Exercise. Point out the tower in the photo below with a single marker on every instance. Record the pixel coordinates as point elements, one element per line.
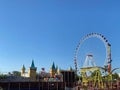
<point>52,70</point>
<point>32,71</point>
<point>23,71</point>
<point>58,71</point>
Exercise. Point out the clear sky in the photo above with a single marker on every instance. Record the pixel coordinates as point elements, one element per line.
<point>48,31</point>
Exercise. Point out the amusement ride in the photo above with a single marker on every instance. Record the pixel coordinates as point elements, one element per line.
<point>89,65</point>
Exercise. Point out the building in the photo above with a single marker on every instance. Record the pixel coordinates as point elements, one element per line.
<point>52,70</point>
<point>31,72</point>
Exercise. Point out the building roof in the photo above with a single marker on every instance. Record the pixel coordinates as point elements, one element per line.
<point>23,67</point>
<point>53,66</point>
<point>33,65</point>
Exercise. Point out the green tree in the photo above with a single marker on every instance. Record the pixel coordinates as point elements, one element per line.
<point>115,76</point>
<point>78,77</point>
<point>16,73</point>
<point>2,76</point>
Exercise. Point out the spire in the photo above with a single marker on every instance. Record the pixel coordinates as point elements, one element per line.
<point>23,67</point>
<point>53,66</point>
<point>33,65</point>
<point>56,68</point>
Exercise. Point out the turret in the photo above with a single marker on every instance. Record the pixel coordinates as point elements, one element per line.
<point>52,70</point>
<point>23,71</point>
<point>32,71</point>
<point>58,71</point>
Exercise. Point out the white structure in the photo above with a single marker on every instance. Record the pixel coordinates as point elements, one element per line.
<point>89,61</point>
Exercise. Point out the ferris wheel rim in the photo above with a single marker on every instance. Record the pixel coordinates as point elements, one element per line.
<point>92,35</point>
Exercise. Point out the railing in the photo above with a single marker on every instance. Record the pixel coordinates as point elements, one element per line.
<point>56,85</point>
<point>32,85</point>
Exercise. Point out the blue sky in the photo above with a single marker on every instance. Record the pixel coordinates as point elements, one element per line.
<point>48,31</point>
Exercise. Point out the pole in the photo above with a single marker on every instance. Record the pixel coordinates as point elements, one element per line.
<point>8,86</point>
<point>19,86</point>
<point>29,85</point>
<point>39,85</point>
<point>57,85</point>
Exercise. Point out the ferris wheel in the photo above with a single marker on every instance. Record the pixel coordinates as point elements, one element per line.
<point>107,46</point>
